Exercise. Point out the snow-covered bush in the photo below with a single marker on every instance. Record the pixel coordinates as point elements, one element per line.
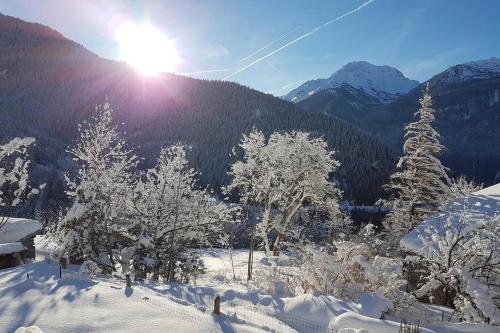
<point>350,268</point>
<point>462,188</point>
<point>191,266</point>
<point>31,329</point>
<point>89,270</point>
<point>273,281</point>
<point>465,260</point>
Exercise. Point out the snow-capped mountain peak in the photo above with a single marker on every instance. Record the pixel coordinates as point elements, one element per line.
<point>472,70</point>
<point>382,82</point>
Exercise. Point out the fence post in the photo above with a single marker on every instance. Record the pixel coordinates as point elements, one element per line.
<point>60,271</point>
<point>217,305</point>
<point>128,283</point>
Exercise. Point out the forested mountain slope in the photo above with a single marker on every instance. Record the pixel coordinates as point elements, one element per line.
<point>467,100</point>
<point>49,84</point>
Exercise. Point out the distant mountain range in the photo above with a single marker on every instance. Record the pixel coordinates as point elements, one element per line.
<point>384,83</point>
<point>49,84</point>
<point>466,96</point>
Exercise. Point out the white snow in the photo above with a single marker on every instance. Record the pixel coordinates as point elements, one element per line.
<point>74,305</point>
<point>8,248</point>
<point>472,70</point>
<point>104,304</point>
<point>17,228</point>
<point>382,82</point>
<point>31,329</point>
<point>478,206</point>
<point>357,321</point>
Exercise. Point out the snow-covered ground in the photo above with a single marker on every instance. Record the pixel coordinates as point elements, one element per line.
<point>74,305</point>
<point>104,304</point>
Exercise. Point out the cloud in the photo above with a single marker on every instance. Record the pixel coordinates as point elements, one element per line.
<point>215,52</point>
<point>300,38</point>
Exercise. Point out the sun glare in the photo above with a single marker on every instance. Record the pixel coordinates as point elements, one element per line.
<point>146,48</point>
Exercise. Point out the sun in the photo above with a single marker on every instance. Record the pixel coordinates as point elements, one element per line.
<point>146,48</point>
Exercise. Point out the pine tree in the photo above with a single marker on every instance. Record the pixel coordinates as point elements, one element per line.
<point>420,184</point>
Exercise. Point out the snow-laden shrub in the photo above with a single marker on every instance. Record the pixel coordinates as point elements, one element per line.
<point>464,258</point>
<point>462,188</point>
<point>272,281</point>
<point>191,266</point>
<point>349,269</point>
<point>89,270</point>
<point>31,329</point>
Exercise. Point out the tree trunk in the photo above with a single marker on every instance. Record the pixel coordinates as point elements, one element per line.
<point>250,254</point>
<point>276,246</point>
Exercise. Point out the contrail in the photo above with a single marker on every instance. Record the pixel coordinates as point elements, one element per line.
<point>299,38</point>
<point>269,44</point>
<point>207,71</point>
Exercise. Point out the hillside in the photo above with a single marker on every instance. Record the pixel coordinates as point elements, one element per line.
<point>49,84</point>
<point>467,99</point>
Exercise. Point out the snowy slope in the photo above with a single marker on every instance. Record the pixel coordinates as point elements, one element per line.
<point>478,206</point>
<point>382,82</point>
<point>472,70</point>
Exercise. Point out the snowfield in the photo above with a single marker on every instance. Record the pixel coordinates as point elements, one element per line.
<point>72,304</point>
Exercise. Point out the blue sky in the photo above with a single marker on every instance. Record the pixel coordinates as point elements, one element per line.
<point>419,37</point>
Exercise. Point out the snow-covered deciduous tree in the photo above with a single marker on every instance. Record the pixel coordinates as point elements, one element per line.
<point>465,260</point>
<point>282,174</point>
<point>170,214</point>
<point>14,187</point>
<point>96,222</point>
<point>420,185</point>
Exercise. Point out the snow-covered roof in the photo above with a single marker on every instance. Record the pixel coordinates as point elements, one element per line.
<point>478,206</point>
<point>8,248</point>
<point>17,228</point>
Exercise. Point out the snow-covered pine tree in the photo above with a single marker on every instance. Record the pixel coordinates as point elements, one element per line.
<point>420,184</point>
<point>280,176</point>
<point>97,221</point>
<point>171,214</point>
